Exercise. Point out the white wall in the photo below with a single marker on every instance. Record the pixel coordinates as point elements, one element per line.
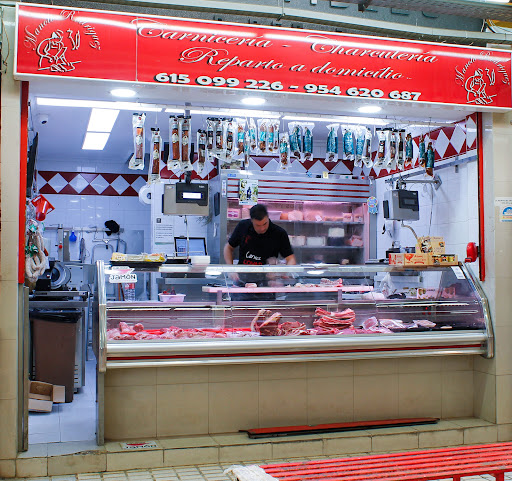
<point>453,207</point>
<point>87,212</point>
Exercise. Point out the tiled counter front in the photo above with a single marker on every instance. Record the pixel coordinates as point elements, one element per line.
<point>173,401</point>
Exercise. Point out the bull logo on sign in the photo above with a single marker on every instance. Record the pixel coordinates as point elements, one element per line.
<point>52,51</point>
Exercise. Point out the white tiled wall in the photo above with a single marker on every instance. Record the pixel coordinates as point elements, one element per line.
<point>451,212</point>
<point>87,212</point>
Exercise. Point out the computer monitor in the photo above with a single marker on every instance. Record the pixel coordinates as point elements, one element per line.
<point>196,246</point>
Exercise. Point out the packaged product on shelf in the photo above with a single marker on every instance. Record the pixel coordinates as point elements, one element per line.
<point>332,143</point>
<point>218,125</point>
<point>210,134</point>
<point>137,159</point>
<point>185,165</point>
<point>201,150</point>
<point>174,150</point>
<point>360,137</point>
<point>284,152</point>
<point>307,140</point>
<point>262,136</point>
<point>156,148</point>
<point>253,135</point>
<point>367,149</point>
<point>409,151</point>
<point>240,135</point>
<point>276,135</point>
<point>270,137</point>
<point>429,167</point>
<point>380,157</point>
<point>400,154</point>
<point>295,139</point>
<point>247,149</point>
<point>230,138</point>
<point>422,156</point>
<point>393,144</point>
<point>348,142</point>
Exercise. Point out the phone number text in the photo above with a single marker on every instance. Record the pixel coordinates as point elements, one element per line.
<point>206,81</point>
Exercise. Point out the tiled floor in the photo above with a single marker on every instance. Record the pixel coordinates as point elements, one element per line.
<point>204,472</point>
<point>75,421</point>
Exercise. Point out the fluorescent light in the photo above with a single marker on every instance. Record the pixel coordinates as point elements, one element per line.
<point>340,120</point>
<point>102,120</point>
<point>238,113</point>
<point>99,104</point>
<point>369,109</point>
<point>175,111</point>
<point>124,93</point>
<point>313,273</point>
<point>95,140</point>
<point>253,100</point>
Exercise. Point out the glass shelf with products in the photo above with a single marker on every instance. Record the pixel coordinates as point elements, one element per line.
<point>326,227</point>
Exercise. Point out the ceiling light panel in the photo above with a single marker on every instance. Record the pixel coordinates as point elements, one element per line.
<point>95,140</point>
<point>238,113</point>
<point>124,93</point>
<point>102,120</point>
<point>345,120</point>
<point>99,104</point>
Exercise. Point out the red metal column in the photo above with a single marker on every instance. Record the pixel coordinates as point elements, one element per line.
<point>23,180</point>
<point>481,203</point>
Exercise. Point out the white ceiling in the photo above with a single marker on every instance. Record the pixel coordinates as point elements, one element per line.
<point>62,136</point>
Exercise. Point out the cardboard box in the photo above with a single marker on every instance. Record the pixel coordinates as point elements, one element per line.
<point>430,245</point>
<point>42,395</point>
<point>408,259</point>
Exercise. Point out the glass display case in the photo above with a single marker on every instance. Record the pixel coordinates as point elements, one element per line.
<point>220,314</point>
<point>326,218</point>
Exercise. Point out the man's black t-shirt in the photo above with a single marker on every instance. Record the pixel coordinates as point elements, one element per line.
<point>255,248</point>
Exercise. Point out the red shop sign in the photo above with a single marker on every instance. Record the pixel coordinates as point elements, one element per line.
<point>78,43</point>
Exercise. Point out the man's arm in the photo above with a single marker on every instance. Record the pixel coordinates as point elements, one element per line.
<point>290,260</point>
<point>228,253</point>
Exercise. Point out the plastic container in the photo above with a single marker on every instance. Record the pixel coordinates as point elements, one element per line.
<point>171,297</point>
<point>274,214</point>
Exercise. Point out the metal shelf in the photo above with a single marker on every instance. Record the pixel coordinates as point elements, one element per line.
<point>307,222</point>
<point>327,247</point>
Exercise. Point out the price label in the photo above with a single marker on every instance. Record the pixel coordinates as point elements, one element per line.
<point>458,272</point>
<point>121,278</point>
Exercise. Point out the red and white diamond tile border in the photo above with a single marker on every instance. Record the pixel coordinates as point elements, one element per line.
<point>449,141</point>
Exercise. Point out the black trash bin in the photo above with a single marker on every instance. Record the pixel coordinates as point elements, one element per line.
<point>54,346</point>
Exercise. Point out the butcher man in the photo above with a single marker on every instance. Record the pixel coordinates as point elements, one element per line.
<point>259,239</point>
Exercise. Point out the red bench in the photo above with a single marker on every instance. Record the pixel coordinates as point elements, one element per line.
<point>493,459</point>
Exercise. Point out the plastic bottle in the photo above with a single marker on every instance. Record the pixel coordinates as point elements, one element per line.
<point>129,292</point>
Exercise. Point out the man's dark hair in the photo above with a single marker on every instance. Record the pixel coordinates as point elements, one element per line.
<point>258,212</point>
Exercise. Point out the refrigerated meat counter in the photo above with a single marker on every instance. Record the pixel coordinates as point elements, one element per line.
<point>219,314</point>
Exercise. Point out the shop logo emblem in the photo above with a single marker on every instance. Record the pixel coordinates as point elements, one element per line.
<point>479,81</point>
<point>57,39</point>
